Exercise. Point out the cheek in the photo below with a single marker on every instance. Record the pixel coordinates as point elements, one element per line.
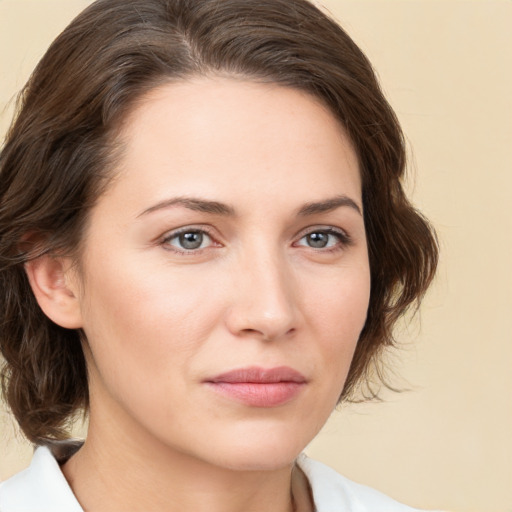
<point>148,320</point>
<point>337,310</point>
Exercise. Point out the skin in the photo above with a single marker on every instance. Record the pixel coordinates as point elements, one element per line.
<point>160,319</point>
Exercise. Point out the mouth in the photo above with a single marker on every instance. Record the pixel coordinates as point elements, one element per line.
<point>259,387</point>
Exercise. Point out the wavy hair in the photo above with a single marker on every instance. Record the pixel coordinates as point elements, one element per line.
<point>59,156</point>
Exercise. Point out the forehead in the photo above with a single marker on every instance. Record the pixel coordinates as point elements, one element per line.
<point>215,135</point>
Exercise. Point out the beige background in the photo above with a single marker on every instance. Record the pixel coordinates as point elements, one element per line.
<point>446,67</point>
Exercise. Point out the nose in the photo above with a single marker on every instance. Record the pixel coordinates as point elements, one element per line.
<point>264,302</point>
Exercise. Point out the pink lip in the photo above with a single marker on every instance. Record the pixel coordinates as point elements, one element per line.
<point>259,387</point>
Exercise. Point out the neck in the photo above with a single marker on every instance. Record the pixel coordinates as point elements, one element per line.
<point>111,472</point>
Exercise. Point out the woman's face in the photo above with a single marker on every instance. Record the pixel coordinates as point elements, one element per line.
<point>225,276</point>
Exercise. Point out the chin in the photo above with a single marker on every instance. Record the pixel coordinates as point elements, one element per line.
<point>259,460</point>
<point>260,450</point>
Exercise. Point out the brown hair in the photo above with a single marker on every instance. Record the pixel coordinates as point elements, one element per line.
<point>60,149</point>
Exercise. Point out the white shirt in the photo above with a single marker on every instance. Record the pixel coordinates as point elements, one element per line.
<point>42,487</point>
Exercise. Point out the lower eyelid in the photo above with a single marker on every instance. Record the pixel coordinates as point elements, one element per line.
<point>166,239</point>
<point>343,239</point>
<point>342,236</point>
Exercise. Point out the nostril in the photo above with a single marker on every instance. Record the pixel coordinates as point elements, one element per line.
<point>267,336</point>
<point>261,314</point>
<point>251,331</point>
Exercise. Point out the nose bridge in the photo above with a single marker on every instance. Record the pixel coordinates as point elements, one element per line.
<point>265,300</point>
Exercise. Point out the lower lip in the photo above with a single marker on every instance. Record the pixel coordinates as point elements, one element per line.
<point>255,394</point>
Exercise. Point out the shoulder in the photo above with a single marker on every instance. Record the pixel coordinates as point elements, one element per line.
<point>40,488</point>
<point>332,491</point>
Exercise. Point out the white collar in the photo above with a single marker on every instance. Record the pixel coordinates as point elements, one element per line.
<point>42,487</point>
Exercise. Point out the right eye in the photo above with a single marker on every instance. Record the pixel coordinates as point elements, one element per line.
<point>188,240</point>
<point>326,239</point>
<point>320,240</point>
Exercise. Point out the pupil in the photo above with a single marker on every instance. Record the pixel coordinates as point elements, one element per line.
<point>318,240</point>
<point>191,240</point>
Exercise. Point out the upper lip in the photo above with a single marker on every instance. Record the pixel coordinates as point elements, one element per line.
<point>257,375</point>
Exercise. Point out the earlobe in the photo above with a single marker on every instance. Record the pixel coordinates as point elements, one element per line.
<point>55,291</point>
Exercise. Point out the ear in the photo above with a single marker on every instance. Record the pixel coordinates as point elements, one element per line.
<point>54,283</point>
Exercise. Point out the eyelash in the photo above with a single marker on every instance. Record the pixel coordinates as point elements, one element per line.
<point>344,240</point>
<point>189,229</point>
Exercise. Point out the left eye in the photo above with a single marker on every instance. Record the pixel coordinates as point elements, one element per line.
<point>189,240</point>
<point>321,239</point>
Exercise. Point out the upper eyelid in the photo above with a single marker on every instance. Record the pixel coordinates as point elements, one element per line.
<point>344,238</point>
<point>165,239</point>
<point>325,228</point>
<point>210,231</point>
<point>186,229</point>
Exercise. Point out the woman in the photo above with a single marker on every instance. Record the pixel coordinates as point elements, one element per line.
<point>205,245</point>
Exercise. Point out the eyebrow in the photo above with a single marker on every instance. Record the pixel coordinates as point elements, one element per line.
<point>217,208</point>
<point>195,204</point>
<point>328,205</point>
